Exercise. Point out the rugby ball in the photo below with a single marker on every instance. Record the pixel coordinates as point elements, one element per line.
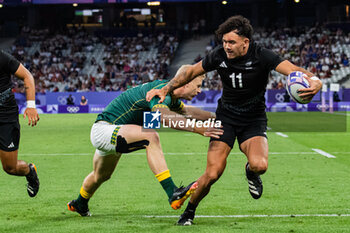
<point>296,81</point>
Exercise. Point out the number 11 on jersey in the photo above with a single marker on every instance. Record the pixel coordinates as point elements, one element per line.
<point>233,76</point>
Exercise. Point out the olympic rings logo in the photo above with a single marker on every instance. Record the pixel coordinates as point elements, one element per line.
<point>279,97</point>
<point>73,109</point>
<point>63,99</point>
<point>320,106</point>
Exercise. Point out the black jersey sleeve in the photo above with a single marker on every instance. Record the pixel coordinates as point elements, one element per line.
<point>210,61</point>
<point>270,59</point>
<point>8,62</point>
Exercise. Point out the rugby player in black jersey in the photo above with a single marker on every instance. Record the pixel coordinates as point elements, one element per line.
<point>244,68</point>
<point>9,124</point>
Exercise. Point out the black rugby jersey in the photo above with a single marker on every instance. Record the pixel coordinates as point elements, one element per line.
<point>244,80</point>
<point>8,105</point>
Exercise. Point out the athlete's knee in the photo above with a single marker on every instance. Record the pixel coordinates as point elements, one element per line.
<point>212,176</point>
<point>11,170</point>
<point>153,137</point>
<point>258,166</point>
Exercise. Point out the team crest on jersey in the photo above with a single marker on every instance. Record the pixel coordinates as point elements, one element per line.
<point>223,65</point>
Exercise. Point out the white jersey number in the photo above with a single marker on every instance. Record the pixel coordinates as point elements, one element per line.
<point>233,76</point>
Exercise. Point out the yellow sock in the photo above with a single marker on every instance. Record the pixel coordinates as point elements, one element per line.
<point>85,194</point>
<point>167,183</point>
<point>163,175</point>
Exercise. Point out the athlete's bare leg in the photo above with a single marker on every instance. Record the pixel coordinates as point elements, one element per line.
<point>104,166</point>
<point>256,149</point>
<point>11,165</point>
<point>216,162</point>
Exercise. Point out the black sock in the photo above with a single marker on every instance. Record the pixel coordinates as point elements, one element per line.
<point>191,208</point>
<point>30,172</point>
<point>250,172</point>
<point>82,202</point>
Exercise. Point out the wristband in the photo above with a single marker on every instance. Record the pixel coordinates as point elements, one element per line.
<point>31,104</point>
<point>314,78</point>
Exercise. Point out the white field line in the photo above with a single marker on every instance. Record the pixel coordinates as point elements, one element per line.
<point>282,134</point>
<point>253,216</point>
<point>321,152</point>
<point>339,113</point>
<point>189,153</point>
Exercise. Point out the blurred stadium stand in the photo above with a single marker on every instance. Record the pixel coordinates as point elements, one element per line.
<point>111,47</point>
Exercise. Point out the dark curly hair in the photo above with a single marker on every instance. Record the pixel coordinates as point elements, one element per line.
<point>237,22</point>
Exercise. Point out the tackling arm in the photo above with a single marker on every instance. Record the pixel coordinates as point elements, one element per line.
<point>196,113</point>
<point>184,75</point>
<point>170,116</point>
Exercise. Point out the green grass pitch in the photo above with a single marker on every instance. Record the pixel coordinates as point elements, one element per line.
<point>299,182</point>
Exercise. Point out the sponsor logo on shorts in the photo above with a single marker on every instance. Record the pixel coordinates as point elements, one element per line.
<point>11,145</point>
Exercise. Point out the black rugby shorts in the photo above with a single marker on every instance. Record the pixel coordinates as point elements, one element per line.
<point>243,132</point>
<point>9,136</point>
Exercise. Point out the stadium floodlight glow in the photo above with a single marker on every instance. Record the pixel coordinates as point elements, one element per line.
<point>224,2</point>
<point>153,3</point>
<point>296,1</point>
<point>1,5</point>
<point>75,4</point>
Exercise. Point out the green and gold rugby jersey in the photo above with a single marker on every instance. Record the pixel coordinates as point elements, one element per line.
<point>128,107</point>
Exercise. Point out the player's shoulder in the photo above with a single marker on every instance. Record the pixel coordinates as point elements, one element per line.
<point>157,84</point>
<point>5,57</point>
<point>255,48</point>
<point>259,49</point>
<point>3,54</point>
<point>260,52</point>
<point>214,58</point>
<point>217,51</point>
<point>142,89</point>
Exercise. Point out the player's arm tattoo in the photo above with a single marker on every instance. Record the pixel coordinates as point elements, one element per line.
<point>179,80</point>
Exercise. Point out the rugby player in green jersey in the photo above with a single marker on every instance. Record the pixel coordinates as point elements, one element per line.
<point>118,129</point>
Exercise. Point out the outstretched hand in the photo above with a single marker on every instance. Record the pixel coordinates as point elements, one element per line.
<point>33,116</point>
<point>156,92</point>
<point>210,132</point>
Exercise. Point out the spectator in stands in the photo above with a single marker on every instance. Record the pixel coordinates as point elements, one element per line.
<point>195,30</point>
<point>58,60</point>
<point>286,97</point>
<point>70,100</point>
<point>83,100</point>
<point>345,60</point>
<point>208,48</point>
<point>336,97</point>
